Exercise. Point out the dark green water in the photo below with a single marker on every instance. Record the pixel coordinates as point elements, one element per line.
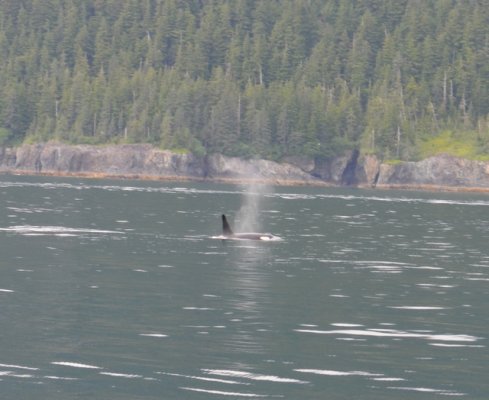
<point>117,290</point>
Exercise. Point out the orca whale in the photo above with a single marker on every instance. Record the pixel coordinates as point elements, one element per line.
<point>228,233</point>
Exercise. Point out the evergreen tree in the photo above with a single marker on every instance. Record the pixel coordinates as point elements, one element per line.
<point>245,77</point>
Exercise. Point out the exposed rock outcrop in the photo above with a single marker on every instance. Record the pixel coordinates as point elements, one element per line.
<point>219,166</point>
<point>111,160</point>
<point>367,170</point>
<point>350,169</point>
<point>332,169</point>
<point>7,158</point>
<point>441,170</point>
<point>143,160</point>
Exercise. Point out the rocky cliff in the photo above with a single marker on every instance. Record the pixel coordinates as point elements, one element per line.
<point>441,170</point>
<point>111,160</point>
<point>142,160</point>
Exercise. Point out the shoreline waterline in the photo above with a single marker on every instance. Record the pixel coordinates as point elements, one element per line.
<point>244,181</point>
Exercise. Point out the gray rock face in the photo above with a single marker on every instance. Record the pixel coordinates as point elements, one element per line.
<point>332,169</point>
<point>7,158</point>
<point>147,161</point>
<point>220,166</point>
<point>142,160</point>
<point>350,169</point>
<point>441,170</point>
<point>367,170</point>
<point>113,159</point>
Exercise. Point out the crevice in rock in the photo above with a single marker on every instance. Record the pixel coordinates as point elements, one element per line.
<point>376,178</point>
<point>38,164</point>
<point>349,178</point>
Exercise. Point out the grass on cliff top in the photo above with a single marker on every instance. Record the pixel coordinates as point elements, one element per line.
<point>463,146</point>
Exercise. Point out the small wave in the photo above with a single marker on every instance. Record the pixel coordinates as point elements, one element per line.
<point>264,238</point>
<point>18,367</point>
<point>53,230</point>
<point>119,375</point>
<point>330,372</point>
<point>33,210</point>
<point>222,393</point>
<point>419,308</point>
<point>387,379</point>
<point>75,365</point>
<point>155,335</point>
<point>252,376</point>
<point>295,196</point>
<point>442,392</point>
<point>406,200</point>
<point>432,285</point>
<point>14,375</point>
<point>205,379</point>
<point>476,279</point>
<point>60,378</point>
<point>457,345</point>
<point>6,291</point>
<point>392,333</point>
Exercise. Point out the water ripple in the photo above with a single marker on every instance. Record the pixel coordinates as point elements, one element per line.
<point>252,376</point>
<point>223,393</point>
<point>392,333</point>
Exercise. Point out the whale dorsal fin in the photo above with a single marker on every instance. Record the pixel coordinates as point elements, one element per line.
<point>226,229</point>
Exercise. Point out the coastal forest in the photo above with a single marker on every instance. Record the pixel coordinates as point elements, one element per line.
<point>248,78</point>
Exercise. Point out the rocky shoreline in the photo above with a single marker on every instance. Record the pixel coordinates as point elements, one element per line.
<point>143,161</point>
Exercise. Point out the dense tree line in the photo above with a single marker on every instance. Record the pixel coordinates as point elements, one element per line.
<point>245,77</point>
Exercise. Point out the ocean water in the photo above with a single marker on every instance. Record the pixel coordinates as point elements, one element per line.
<point>123,290</point>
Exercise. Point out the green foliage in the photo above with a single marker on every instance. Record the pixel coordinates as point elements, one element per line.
<point>464,146</point>
<point>249,78</point>
<point>392,162</point>
<point>4,136</point>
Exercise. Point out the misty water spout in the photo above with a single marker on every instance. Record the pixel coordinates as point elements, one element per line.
<point>247,219</point>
